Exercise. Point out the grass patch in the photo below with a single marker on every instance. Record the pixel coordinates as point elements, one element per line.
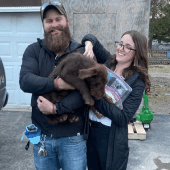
<point>159,68</point>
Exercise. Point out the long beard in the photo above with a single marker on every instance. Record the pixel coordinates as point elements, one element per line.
<point>57,43</point>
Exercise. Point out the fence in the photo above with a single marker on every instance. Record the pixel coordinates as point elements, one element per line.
<point>158,54</point>
<point>157,57</point>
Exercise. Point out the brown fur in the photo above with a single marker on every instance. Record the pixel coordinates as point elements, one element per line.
<point>83,73</point>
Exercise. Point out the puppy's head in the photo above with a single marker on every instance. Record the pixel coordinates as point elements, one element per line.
<point>96,78</point>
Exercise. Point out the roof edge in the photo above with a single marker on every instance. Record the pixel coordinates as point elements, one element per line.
<point>20,9</point>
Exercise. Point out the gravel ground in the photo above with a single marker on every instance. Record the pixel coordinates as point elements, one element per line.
<point>159,98</point>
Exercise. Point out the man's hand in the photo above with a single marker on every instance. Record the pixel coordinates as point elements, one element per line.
<point>45,106</point>
<point>60,84</point>
<point>88,49</point>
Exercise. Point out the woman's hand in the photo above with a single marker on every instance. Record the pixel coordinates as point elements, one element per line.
<point>60,84</point>
<point>45,106</point>
<point>88,49</point>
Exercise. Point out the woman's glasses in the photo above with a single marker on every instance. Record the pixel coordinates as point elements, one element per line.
<point>126,47</point>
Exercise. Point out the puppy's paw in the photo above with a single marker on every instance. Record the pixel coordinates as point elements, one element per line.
<point>90,102</point>
<point>97,113</point>
<point>63,118</point>
<point>73,119</point>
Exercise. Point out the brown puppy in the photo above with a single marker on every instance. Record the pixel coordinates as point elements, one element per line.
<point>83,73</point>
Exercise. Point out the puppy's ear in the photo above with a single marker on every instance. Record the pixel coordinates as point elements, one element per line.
<point>85,73</point>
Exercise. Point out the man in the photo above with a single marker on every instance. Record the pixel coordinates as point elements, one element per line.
<point>64,143</point>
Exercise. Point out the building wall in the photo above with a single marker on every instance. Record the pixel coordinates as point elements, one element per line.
<point>107,19</point>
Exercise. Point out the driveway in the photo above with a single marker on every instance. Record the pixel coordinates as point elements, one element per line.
<point>150,154</point>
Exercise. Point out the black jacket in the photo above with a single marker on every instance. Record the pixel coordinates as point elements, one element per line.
<point>37,64</point>
<point>118,150</point>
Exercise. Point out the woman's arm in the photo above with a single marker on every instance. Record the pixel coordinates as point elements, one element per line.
<point>89,49</point>
<point>130,106</point>
<point>102,55</point>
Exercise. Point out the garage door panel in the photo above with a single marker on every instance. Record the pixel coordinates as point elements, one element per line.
<point>12,74</point>
<point>13,100</point>
<point>8,49</point>
<point>24,98</point>
<point>6,23</point>
<point>12,49</point>
<point>20,49</point>
<point>19,30</point>
<point>21,46</point>
<point>5,49</point>
<point>28,23</point>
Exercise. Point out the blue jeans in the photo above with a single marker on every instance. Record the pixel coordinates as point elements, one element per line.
<point>68,153</point>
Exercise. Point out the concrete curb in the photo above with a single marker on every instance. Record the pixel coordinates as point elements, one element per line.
<point>17,109</point>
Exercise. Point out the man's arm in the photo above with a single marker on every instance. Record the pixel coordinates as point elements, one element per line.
<point>70,103</point>
<point>60,84</point>
<point>30,81</point>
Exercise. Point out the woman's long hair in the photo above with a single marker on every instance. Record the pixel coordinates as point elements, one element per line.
<point>140,62</point>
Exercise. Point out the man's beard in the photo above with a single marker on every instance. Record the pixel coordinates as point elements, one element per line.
<point>57,43</point>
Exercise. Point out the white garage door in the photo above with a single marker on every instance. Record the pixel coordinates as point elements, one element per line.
<point>17,31</point>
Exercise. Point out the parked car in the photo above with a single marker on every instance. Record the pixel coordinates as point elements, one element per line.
<point>3,91</point>
<point>161,46</point>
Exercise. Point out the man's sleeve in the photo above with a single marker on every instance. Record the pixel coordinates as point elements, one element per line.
<point>70,103</point>
<point>29,79</point>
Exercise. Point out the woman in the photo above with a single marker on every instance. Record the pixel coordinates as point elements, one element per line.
<point>107,146</point>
